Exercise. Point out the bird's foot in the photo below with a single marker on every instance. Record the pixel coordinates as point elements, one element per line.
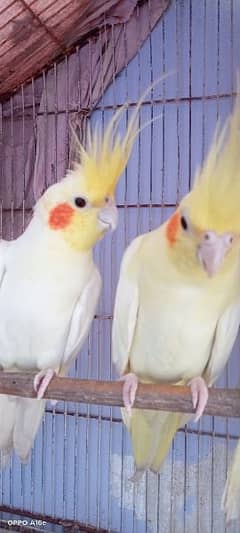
<point>130,386</point>
<point>199,392</point>
<point>42,380</point>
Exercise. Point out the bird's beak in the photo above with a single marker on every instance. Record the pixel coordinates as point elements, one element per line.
<point>108,216</point>
<point>212,251</point>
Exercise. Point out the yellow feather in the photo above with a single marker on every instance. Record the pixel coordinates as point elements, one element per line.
<point>150,447</point>
<point>105,157</point>
<point>213,203</point>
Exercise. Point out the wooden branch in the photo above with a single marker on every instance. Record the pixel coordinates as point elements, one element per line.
<point>164,397</point>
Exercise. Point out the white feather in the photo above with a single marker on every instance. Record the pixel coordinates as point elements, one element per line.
<point>48,297</point>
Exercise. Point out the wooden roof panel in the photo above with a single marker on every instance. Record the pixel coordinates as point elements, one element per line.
<point>33,33</point>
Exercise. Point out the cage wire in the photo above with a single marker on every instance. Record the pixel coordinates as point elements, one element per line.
<point>80,467</point>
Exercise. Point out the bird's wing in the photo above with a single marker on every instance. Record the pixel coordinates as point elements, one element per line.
<point>81,320</point>
<point>126,310</point>
<point>225,335</point>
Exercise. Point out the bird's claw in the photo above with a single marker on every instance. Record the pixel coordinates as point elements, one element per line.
<point>199,392</point>
<point>130,386</point>
<point>42,380</point>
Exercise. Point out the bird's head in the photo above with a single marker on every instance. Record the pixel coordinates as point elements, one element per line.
<point>197,249</point>
<point>203,235</point>
<point>81,207</point>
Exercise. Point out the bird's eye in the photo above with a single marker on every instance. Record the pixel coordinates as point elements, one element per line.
<point>80,202</point>
<point>184,223</point>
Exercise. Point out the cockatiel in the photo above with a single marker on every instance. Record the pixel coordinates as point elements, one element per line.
<point>177,308</point>
<point>49,284</point>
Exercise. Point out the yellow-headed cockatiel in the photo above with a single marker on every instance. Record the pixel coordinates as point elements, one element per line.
<point>177,309</point>
<point>49,284</point>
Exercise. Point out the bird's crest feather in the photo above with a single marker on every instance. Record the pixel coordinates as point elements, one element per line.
<point>214,202</point>
<point>105,157</point>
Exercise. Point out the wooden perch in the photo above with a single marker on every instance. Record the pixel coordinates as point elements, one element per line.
<point>164,397</point>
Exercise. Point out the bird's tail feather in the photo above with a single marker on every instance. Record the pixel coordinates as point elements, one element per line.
<point>19,420</point>
<point>231,495</point>
<point>152,433</point>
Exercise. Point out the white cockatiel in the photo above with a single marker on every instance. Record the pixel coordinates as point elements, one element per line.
<point>177,309</point>
<point>49,284</point>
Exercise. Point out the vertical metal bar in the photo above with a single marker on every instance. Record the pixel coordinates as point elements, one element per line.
<point>79,99</point>
<point>199,439</point>
<point>12,137</point>
<point>45,110</point>
<point>189,182</point>
<point>185,476</point>
<point>23,484</point>
<point>172,486</point>
<point>55,120</point>
<point>77,485</point>
<point>150,197</point>
<point>213,439</point>
<point>178,40</point>
<point>53,416</point>
<point>32,458</point>
<point>102,325</point>
<point>190,95</point>
<point>139,209</point>
<point>99,424</point>
<point>227,384</point>
<point>158,502</point>
<point>46,136</point>
<point>34,115</point>
<point>126,180</point>
<point>125,215</point>
<point>33,104</point>
<point>122,470</point>
<point>89,371</point>
<point>12,178</point>
<point>89,344</point>
<point>103,35</point>
<point>151,125</point>
<point>65,460</point>
<point>67,107</point>
<point>43,464</point>
<point>65,451</point>
<point>163,120</point>
<point>45,148</point>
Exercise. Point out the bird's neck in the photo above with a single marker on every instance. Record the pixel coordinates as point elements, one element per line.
<point>44,242</point>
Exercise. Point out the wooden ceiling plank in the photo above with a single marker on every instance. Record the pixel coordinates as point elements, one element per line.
<point>47,30</point>
<point>12,16</point>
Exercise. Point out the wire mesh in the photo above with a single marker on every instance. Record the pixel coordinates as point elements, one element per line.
<point>81,462</point>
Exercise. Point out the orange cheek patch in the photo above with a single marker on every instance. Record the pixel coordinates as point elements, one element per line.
<point>172,228</point>
<point>60,216</point>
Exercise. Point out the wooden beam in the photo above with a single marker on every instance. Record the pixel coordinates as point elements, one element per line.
<point>222,402</point>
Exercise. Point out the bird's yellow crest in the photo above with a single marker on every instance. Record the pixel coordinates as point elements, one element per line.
<point>105,156</point>
<point>214,202</point>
